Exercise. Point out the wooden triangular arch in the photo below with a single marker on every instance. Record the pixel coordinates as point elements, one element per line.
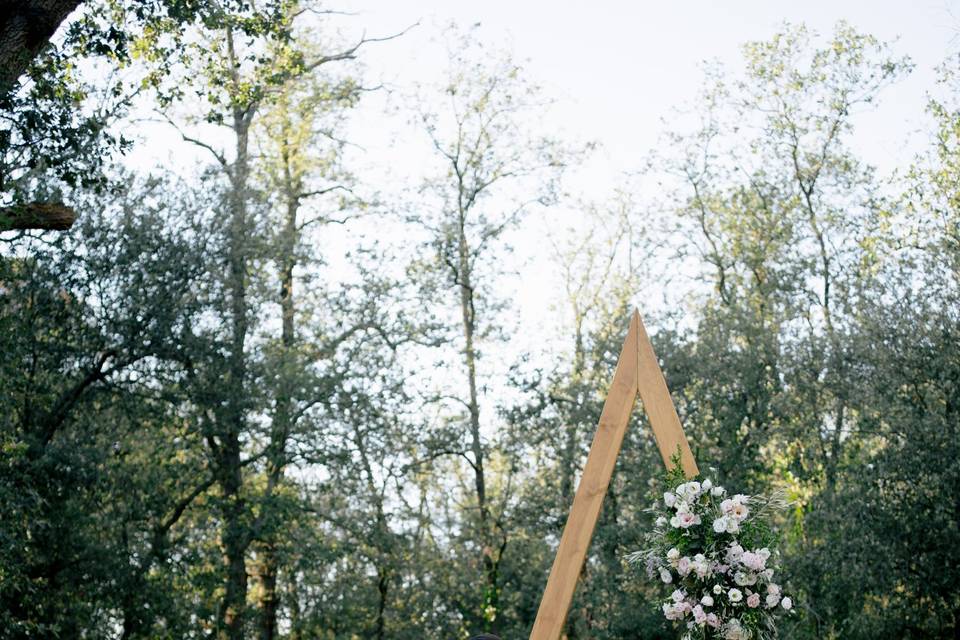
<point>637,373</point>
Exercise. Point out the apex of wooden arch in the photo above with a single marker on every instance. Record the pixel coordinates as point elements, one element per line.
<point>637,373</point>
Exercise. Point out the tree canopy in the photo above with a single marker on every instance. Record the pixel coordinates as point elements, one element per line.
<point>263,395</point>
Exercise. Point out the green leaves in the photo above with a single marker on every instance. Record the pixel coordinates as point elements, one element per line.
<point>816,355</point>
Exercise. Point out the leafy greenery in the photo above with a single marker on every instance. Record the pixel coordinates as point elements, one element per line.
<point>206,430</point>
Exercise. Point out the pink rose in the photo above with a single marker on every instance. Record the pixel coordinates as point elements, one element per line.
<point>753,560</point>
<point>687,519</point>
<point>698,615</point>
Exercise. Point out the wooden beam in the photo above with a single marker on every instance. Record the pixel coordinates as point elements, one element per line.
<point>659,406</point>
<point>638,372</point>
<point>589,497</point>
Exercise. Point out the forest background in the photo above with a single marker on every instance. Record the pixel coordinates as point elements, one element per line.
<point>324,352</point>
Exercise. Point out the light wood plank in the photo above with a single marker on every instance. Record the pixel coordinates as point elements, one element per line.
<point>638,372</point>
<point>659,406</point>
<point>590,493</point>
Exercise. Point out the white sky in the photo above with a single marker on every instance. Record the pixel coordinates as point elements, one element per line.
<point>617,68</point>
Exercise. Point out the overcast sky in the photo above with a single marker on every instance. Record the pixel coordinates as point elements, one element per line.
<point>619,66</point>
<point>616,69</point>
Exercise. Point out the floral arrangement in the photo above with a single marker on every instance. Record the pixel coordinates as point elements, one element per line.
<point>717,554</point>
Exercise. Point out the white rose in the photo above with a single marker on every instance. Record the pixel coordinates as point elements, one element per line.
<point>773,600</point>
<point>702,569</point>
<point>739,511</point>
<point>717,589</point>
<point>734,552</point>
<point>689,490</point>
<point>733,526</point>
<point>706,601</point>
<point>706,485</point>
<point>716,492</point>
<point>753,561</point>
<point>773,589</point>
<point>744,579</point>
<point>669,499</point>
<point>733,631</point>
<point>734,595</point>
<point>720,524</point>
<point>661,521</point>
<point>677,596</point>
<point>665,576</point>
<point>787,604</point>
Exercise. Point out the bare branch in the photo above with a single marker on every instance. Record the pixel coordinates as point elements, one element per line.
<point>350,52</point>
<point>186,138</point>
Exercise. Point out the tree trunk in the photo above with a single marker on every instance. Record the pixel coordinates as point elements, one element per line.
<point>269,602</point>
<point>235,537</point>
<point>25,29</point>
<point>569,461</point>
<point>383,584</point>
<point>234,542</point>
<point>283,409</point>
<point>293,606</point>
<point>571,448</point>
<point>468,315</point>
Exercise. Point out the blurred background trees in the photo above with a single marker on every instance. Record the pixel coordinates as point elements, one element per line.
<point>223,415</point>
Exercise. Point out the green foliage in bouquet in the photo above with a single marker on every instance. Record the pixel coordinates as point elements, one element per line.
<point>718,554</point>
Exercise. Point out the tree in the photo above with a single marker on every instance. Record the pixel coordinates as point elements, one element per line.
<point>305,112</point>
<point>59,120</point>
<point>257,63</point>
<point>492,171</point>
<point>88,329</point>
<point>782,212</point>
<point>902,486</point>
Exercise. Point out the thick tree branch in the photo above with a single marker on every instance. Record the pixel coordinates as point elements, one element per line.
<point>25,29</point>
